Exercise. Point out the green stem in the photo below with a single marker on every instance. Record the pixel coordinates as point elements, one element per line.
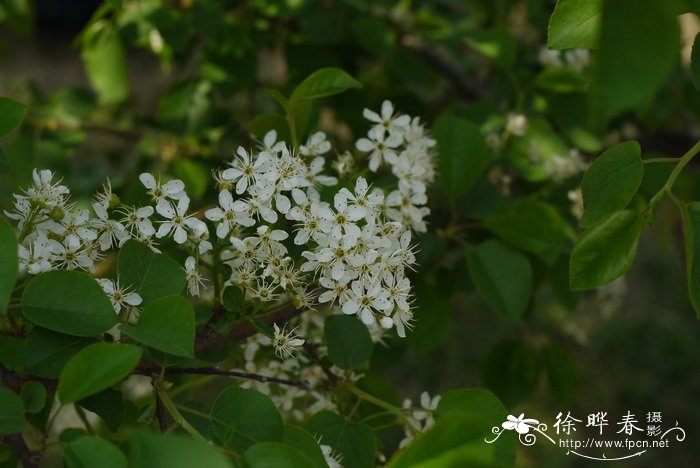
<point>666,189</point>
<point>216,277</point>
<point>175,414</point>
<point>383,404</point>
<point>660,160</point>
<point>292,129</point>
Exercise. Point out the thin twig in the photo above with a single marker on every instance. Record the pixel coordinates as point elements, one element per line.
<point>310,349</point>
<point>160,413</point>
<point>466,88</point>
<point>226,373</point>
<point>19,446</point>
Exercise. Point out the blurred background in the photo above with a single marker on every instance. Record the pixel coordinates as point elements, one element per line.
<point>118,87</point>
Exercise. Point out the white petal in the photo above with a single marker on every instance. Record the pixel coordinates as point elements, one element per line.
<point>148,180</point>
<point>132,299</point>
<point>165,209</point>
<point>364,145</point>
<point>180,235</point>
<point>351,307</point>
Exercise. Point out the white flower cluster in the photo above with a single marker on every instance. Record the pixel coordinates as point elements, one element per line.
<point>563,167</point>
<point>295,402</point>
<point>357,247</point>
<point>421,418</point>
<point>576,59</point>
<point>54,234</point>
<point>273,227</point>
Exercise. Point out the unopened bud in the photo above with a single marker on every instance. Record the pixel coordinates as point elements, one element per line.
<point>114,202</point>
<point>57,213</point>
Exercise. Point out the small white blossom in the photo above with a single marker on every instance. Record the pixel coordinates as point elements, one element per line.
<point>286,342</point>
<point>119,295</point>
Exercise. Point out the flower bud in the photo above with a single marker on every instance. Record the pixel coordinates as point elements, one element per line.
<point>57,213</point>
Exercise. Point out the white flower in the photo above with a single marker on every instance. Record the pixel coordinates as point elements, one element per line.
<point>381,147</point>
<point>345,217</point>
<point>71,255</point>
<point>255,207</point>
<point>194,278</point>
<point>364,301</point>
<point>387,121</point>
<point>75,227</point>
<point>361,198</point>
<point>119,296</point>
<point>35,257</point>
<point>316,145</point>
<point>245,172</point>
<point>173,189</point>
<point>226,215</point>
<point>332,460</point>
<point>286,342</point>
<point>578,59</point>
<point>550,58</point>
<point>137,221</point>
<point>110,233</point>
<point>516,124</point>
<point>176,219</point>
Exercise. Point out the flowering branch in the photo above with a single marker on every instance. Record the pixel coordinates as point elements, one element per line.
<point>225,373</point>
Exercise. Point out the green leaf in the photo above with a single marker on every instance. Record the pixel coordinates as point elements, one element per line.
<point>561,80</point>
<point>95,368</point>
<point>275,454</point>
<point>695,62</point>
<point>496,44</point>
<point>33,396</point>
<point>561,372</point>
<point>611,181</point>
<point>606,251</point>
<point>355,441</point>
<point>109,405</point>
<point>242,417</point>
<point>511,370</point>
<point>691,230</point>
<point>151,274</point>
<point>279,98</point>
<point>575,23</point>
<point>148,449</point>
<point>323,82</point>
<point>462,153</point>
<point>305,443</point>
<point>456,439</point>
<point>46,352</point>
<point>8,262</point>
<point>349,342</point>
<point>502,276</point>
<point>69,302</point>
<point>474,401</point>
<point>233,298</point>
<point>105,65</point>
<point>5,165</point>
<point>12,352</point>
<point>11,412</point>
<point>11,115</point>
<point>432,316</point>
<point>638,38</point>
<point>90,452</point>
<point>263,123</point>
<point>166,324</point>
<point>531,152</point>
<point>530,225</point>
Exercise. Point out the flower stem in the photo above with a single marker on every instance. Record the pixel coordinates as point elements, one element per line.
<point>666,189</point>
<point>383,404</point>
<point>175,414</point>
